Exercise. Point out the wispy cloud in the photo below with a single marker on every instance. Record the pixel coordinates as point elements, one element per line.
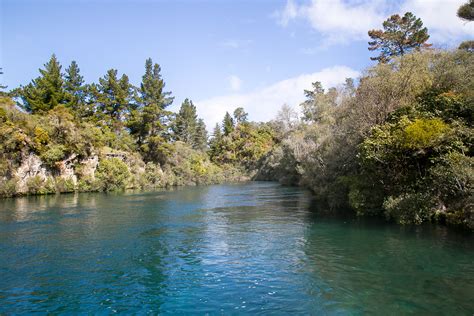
<point>341,21</point>
<point>263,104</point>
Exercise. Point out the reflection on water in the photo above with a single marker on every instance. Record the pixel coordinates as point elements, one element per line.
<point>246,248</point>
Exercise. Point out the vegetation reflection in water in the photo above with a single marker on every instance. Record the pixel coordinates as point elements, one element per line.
<point>246,248</point>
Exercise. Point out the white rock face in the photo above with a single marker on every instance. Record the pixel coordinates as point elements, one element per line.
<point>89,165</point>
<point>31,166</point>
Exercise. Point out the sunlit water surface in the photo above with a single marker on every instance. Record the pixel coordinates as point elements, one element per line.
<point>226,249</point>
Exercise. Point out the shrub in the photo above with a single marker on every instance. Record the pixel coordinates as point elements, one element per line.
<point>112,174</point>
<point>8,187</point>
<point>64,185</point>
<point>53,154</point>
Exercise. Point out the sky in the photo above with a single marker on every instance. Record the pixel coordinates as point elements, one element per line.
<point>222,54</point>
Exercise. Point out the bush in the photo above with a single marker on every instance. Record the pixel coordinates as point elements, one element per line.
<point>112,174</point>
<point>8,187</point>
<point>38,185</point>
<point>410,208</point>
<point>64,185</point>
<point>53,154</point>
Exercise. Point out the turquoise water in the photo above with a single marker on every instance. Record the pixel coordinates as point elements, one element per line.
<point>228,249</point>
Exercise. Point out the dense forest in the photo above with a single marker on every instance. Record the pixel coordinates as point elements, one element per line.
<point>396,142</point>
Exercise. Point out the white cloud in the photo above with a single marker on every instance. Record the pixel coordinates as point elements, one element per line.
<point>263,104</point>
<point>234,82</point>
<point>439,16</point>
<point>336,20</point>
<point>342,21</point>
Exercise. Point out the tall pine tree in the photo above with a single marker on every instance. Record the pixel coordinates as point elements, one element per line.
<point>75,89</point>
<point>185,123</point>
<point>46,91</point>
<point>200,136</point>
<point>148,120</point>
<point>228,124</point>
<point>114,98</point>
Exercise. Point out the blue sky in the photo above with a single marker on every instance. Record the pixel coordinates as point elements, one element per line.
<point>220,53</point>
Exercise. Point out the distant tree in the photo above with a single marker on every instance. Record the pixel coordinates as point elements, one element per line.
<point>2,86</point>
<point>148,119</point>
<point>185,124</point>
<point>318,103</point>
<point>466,11</point>
<point>467,45</point>
<point>240,115</point>
<point>215,142</point>
<point>286,119</point>
<point>75,89</point>
<point>228,124</point>
<point>46,91</point>
<point>114,97</point>
<point>200,136</point>
<point>399,36</point>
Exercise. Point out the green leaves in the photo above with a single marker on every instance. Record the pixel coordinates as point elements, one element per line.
<point>399,36</point>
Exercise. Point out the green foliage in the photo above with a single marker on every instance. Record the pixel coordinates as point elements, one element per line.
<point>39,185</point>
<point>399,36</point>
<point>64,185</point>
<point>423,133</point>
<point>45,92</point>
<point>53,154</point>
<point>8,188</point>
<point>227,124</point>
<point>466,11</point>
<point>112,174</point>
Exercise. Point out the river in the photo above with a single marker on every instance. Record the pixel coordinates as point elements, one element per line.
<point>254,248</point>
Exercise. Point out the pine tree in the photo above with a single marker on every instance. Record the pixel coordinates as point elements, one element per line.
<point>75,89</point>
<point>114,97</point>
<point>215,143</point>
<point>240,115</point>
<point>200,136</point>
<point>228,124</point>
<point>466,11</point>
<point>2,86</point>
<point>185,123</point>
<point>399,36</point>
<point>148,120</point>
<point>46,91</point>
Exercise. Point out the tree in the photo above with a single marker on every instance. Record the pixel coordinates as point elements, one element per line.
<point>148,119</point>
<point>1,86</point>
<point>185,124</point>
<point>466,11</point>
<point>467,45</point>
<point>240,115</point>
<point>228,124</point>
<point>200,136</point>
<point>46,91</point>
<point>75,89</point>
<point>399,36</point>
<point>318,103</point>
<point>114,97</point>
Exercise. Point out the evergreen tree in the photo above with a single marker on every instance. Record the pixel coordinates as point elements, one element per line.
<point>46,91</point>
<point>466,11</point>
<point>200,136</point>
<point>214,144</point>
<point>228,124</point>
<point>399,36</point>
<point>114,97</point>
<point>148,120</point>
<point>75,89</point>
<point>185,123</point>
<point>240,115</point>
<point>2,86</point>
